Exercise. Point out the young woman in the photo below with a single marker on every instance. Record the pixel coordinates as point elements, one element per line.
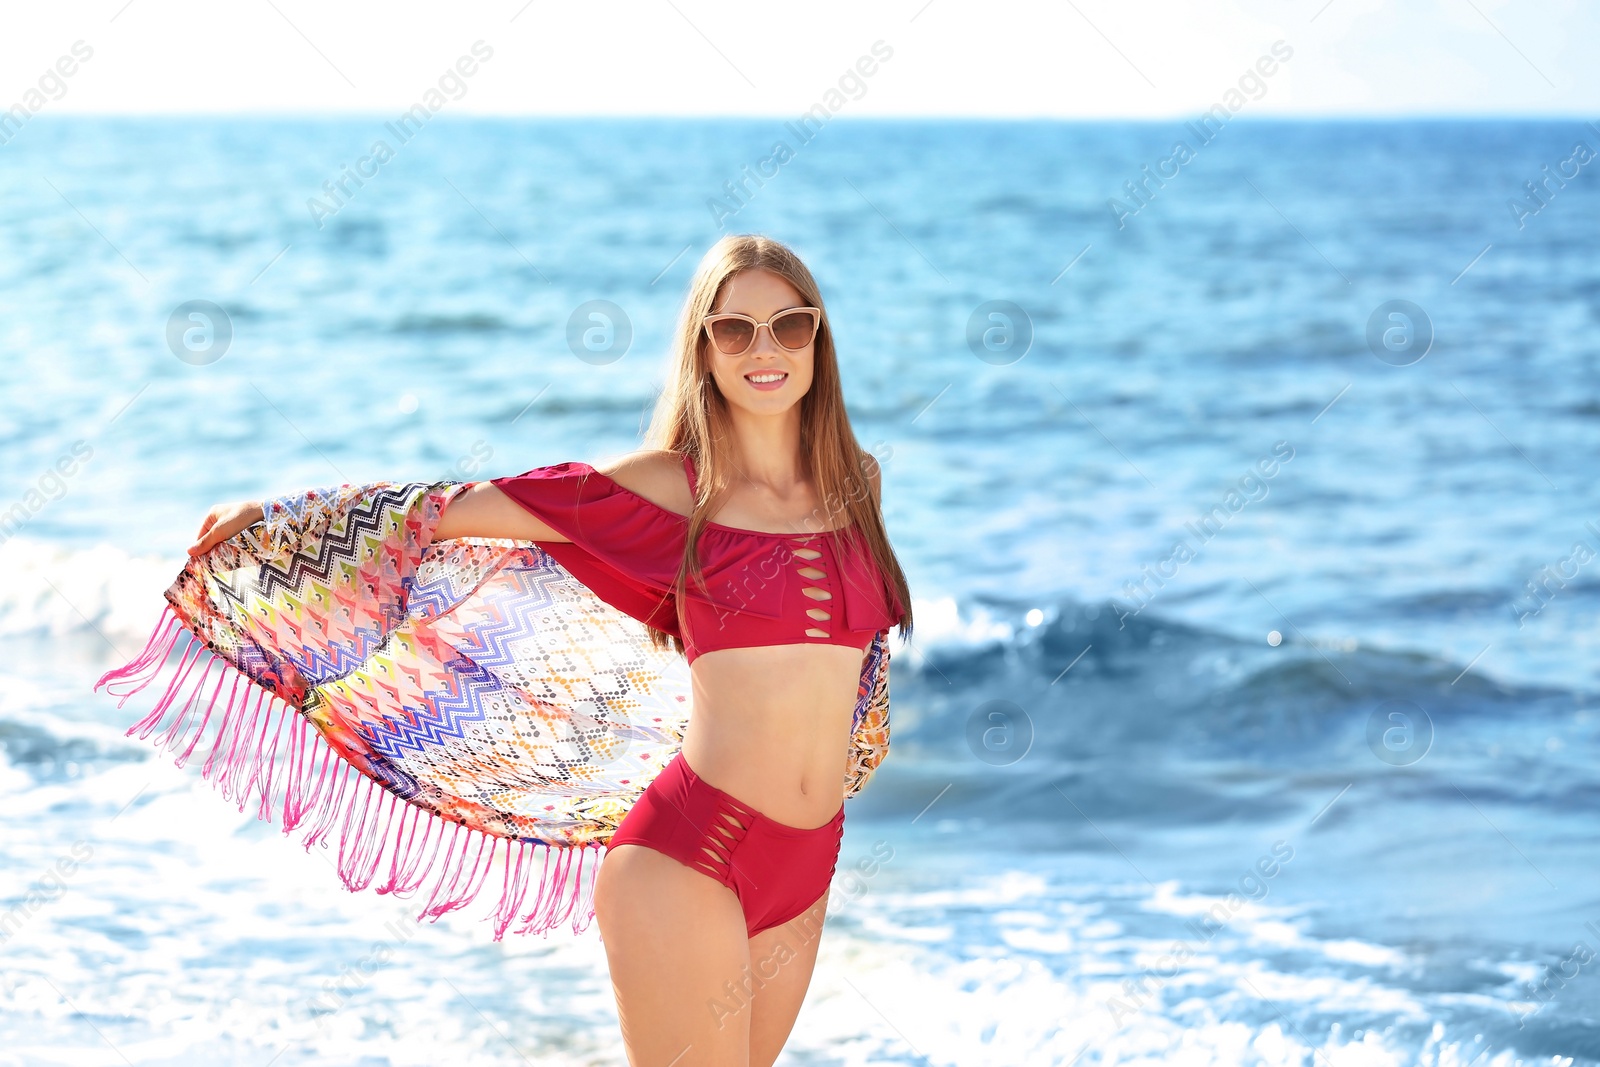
<point>712,893</point>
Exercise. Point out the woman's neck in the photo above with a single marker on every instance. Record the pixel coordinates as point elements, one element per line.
<point>767,450</point>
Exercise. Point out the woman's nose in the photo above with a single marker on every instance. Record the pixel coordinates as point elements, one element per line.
<point>771,342</point>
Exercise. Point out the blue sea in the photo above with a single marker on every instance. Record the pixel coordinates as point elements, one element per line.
<point>1252,714</point>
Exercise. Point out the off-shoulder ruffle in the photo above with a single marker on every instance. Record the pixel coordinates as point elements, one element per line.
<point>642,541</point>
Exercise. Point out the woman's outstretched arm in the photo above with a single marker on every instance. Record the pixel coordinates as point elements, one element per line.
<point>484,511</point>
<point>479,511</point>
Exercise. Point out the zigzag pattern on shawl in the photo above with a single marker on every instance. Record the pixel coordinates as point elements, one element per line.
<point>535,575</point>
<point>309,661</point>
<point>471,678</point>
<point>492,639</point>
<point>474,677</point>
<point>338,548</point>
<point>438,722</point>
<point>272,671</point>
<point>437,595</point>
<point>361,518</point>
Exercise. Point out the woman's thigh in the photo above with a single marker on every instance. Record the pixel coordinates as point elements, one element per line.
<point>676,945</point>
<point>782,959</point>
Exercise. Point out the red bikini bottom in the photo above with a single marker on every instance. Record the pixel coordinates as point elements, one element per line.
<point>777,871</point>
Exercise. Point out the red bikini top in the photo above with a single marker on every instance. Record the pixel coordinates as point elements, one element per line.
<point>766,588</point>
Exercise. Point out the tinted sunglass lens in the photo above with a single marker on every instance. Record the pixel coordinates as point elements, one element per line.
<point>731,335</point>
<point>793,329</point>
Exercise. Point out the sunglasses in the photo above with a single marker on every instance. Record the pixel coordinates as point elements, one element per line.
<point>792,329</point>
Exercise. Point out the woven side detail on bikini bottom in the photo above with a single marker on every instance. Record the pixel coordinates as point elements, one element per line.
<point>728,828</point>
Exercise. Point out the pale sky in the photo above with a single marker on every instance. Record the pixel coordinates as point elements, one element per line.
<point>1083,58</point>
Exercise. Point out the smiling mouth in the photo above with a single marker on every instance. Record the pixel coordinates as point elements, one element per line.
<point>766,377</point>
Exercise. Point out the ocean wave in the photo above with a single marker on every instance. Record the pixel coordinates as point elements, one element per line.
<point>1176,724</point>
<point>48,589</point>
<point>1166,669</point>
<point>48,749</point>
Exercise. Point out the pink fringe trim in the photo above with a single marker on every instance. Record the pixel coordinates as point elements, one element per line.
<point>291,769</point>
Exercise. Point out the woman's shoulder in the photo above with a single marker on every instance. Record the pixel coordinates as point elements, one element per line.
<point>657,475</point>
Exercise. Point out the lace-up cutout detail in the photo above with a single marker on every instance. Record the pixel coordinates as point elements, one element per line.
<point>814,591</point>
<point>726,831</point>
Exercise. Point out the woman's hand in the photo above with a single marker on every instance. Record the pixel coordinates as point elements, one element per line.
<point>223,521</point>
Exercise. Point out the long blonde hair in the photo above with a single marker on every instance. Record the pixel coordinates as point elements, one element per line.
<point>692,416</point>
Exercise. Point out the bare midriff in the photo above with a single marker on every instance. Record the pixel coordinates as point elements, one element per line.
<point>771,725</point>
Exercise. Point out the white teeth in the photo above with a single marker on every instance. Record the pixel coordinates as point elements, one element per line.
<point>763,378</point>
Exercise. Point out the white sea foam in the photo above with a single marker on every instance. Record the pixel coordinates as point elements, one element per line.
<point>1033,984</point>
<point>49,589</point>
<point>942,621</point>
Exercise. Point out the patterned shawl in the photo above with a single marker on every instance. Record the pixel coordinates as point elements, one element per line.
<point>481,712</point>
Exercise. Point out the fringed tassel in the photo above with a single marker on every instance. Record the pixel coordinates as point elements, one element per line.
<point>139,671</point>
<point>186,662</point>
<point>261,747</point>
